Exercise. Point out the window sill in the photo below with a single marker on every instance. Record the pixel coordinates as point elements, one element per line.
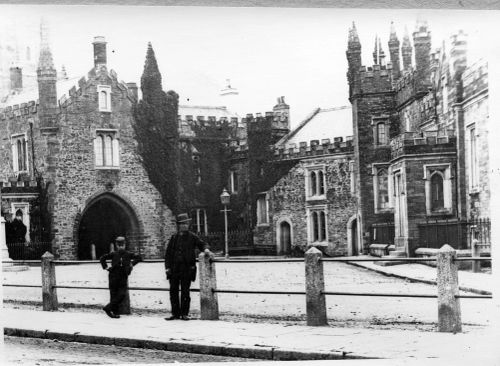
<point>384,210</point>
<point>441,212</point>
<point>319,244</point>
<point>474,191</point>
<point>316,198</point>
<point>107,168</point>
<point>264,225</point>
<point>104,111</point>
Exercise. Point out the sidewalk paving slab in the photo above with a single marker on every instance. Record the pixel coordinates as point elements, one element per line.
<point>252,340</point>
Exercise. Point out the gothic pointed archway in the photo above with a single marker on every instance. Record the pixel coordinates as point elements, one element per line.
<point>105,217</point>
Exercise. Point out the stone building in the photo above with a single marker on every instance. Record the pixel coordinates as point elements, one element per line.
<point>420,137</point>
<point>409,157</point>
<point>72,155</point>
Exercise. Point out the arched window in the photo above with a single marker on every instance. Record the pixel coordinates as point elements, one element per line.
<point>313,184</point>
<point>322,226</point>
<point>315,224</point>
<point>321,183</point>
<point>437,198</point>
<point>108,150</point>
<point>98,150</point>
<point>382,189</point>
<point>116,152</point>
<point>103,95</point>
<point>104,98</point>
<point>381,135</point>
<point>20,154</point>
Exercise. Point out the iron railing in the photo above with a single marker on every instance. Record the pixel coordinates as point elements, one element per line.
<point>457,233</point>
<point>28,250</point>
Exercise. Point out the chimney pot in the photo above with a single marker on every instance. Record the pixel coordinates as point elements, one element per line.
<point>100,58</point>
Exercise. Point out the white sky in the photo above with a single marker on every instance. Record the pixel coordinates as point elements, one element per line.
<point>266,52</point>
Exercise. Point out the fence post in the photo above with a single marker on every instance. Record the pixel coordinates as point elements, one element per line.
<point>315,288</point>
<point>209,306</point>
<point>49,293</point>
<point>476,265</point>
<point>449,317</point>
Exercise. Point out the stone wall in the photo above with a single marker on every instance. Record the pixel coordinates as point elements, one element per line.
<point>288,202</point>
<point>77,180</point>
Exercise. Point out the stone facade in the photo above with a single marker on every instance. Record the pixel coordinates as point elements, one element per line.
<point>63,162</point>
<point>420,134</point>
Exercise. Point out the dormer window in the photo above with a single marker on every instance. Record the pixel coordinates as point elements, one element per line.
<point>104,96</point>
<point>106,149</point>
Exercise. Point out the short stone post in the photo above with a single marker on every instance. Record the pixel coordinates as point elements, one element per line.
<point>49,292</point>
<point>449,317</point>
<point>315,287</point>
<point>476,265</point>
<point>209,306</point>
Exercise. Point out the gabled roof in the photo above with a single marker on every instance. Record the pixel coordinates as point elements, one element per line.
<point>321,124</point>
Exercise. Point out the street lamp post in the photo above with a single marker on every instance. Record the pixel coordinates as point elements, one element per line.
<point>225,199</point>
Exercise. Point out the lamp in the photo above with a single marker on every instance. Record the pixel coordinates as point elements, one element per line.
<point>225,199</point>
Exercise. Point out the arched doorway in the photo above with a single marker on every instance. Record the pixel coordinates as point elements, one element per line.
<point>352,236</point>
<point>284,238</point>
<point>105,217</point>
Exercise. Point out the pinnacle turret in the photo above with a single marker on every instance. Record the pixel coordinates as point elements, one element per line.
<point>406,50</point>
<point>394,52</point>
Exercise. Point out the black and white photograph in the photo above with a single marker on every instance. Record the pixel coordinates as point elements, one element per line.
<point>232,184</point>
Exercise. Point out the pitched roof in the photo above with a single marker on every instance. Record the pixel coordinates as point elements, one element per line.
<point>31,93</point>
<point>321,124</point>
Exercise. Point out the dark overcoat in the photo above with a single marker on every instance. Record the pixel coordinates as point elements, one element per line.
<point>186,246</point>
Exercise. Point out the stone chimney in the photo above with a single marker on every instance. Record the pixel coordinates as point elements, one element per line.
<point>422,44</point>
<point>281,113</point>
<point>132,88</point>
<point>458,53</point>
<point>99,52</point>
<point>16,78</point>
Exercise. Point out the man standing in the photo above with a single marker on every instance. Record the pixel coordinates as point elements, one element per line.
<point>18,228</point>
<point>122,262</point>
<point>180,266</point>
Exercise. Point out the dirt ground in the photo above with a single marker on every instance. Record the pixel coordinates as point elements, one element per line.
<point>384,312</point>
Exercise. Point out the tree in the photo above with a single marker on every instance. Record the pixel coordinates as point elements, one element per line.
<point>155,126</point>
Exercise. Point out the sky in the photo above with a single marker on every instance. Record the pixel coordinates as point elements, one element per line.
<point>265,52</point>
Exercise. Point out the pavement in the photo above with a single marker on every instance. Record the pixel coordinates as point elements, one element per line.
<point>253,340</point>
<point>268,341</point>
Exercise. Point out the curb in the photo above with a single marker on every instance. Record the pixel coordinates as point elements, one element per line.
<point>217,349</point>
<point>429,282</point>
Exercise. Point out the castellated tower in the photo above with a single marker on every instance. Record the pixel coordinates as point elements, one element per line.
<point>373,106</point>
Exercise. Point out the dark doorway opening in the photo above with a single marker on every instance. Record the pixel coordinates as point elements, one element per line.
<point>285,238</point>
<point>354,237</point>
<point>103,220</point>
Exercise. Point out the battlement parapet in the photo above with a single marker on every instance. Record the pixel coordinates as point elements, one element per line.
<point>18,110</point>
<point>17,184</point>
<point>414,143</point>
<point>374,79</point>
<point>313,148</point>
